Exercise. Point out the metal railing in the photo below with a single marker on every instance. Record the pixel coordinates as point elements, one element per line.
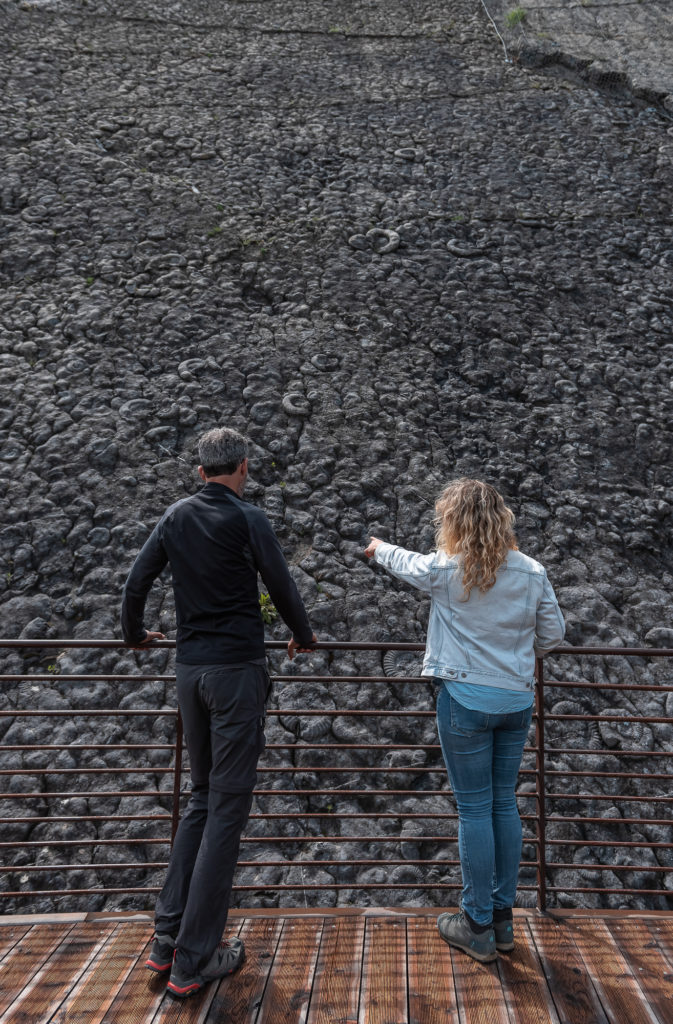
<point>91,813</point>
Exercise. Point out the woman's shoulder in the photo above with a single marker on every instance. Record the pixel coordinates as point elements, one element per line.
<point>524,563</point>
<point>443,560</point>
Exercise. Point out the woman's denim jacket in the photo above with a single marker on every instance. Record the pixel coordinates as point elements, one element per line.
<point>491,638</point>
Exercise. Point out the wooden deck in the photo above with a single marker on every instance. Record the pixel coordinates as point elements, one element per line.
<point>373,967</point>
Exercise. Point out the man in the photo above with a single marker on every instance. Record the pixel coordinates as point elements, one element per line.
<point>216,543</point>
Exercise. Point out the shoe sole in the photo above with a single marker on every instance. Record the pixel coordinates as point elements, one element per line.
<point>152,965</point>
<point>188,990</point>
<point>182,993</point>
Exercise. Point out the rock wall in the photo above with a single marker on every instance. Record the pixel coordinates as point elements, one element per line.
<point>385,254</point>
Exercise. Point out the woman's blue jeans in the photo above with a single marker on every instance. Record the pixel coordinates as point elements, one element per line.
<point>483,755</point>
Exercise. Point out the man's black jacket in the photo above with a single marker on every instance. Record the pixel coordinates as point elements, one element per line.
<point>216,544</point>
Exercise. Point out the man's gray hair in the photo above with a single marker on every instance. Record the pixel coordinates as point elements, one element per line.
<point>221,451</point>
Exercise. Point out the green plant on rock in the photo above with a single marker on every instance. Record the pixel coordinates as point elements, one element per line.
<point>515,17</point>
<point>268,609</point>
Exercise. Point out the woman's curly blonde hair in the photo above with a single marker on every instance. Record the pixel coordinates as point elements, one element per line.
<point>474,523</point>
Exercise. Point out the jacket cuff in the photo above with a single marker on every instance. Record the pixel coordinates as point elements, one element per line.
<point>382,550</point>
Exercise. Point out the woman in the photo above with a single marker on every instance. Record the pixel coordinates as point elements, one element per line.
<point>492,610</point>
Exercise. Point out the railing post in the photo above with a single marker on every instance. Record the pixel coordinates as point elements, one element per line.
<point>541,788</point>
<point>177,778</point>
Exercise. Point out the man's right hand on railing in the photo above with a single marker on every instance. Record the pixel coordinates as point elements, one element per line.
<point>294,648</point>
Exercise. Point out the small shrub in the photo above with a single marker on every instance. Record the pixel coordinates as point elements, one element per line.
<point>515,17</point>
<point>268,608</point>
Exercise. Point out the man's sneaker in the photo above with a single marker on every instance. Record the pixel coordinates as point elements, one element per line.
<point>160,959</point>
<point>504,935</point>
<point>226,959</point>
<point>456,930</point>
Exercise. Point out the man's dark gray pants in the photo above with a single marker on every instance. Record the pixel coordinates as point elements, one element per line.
<point>222,708</point>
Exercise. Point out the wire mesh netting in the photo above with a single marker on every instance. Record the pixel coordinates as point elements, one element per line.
<point>615,45</point>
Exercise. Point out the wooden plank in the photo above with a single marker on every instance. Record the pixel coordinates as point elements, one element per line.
<point>47,989</point>
<point>238,998</point>
<point>650,967</point>
<point>619,992</point>
<point>288,990</point>
<point>478,990</point>
<point>662,930</point>
<point>383,998</point>
<point>432,997</point>
<point>524,987</point>
<point>96,990</point>
<point>26,958</point>
<point>569,982</point>
<point>141,993</point>
<point>9,938</point>
<point>336,990</point>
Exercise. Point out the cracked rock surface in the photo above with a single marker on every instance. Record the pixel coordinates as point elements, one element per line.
<point>390,258</point>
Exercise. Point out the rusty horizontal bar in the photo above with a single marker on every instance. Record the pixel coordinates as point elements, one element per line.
<point>321,838</point>
<point>354,746</point>
<point>108,677</point>
<point>262,769</point>
<point>92,677</point>
<point>562,819</point>
<point>641,776</point>
<point>103,677</point>
<point>153,769</point>
<point>644,719</point>
<point>257,840</point>
<point>35,844</point>
<point>100,891</point>
<point>155,865</point>
<point>71,794</point>
<point>608,892</point>
<point>69,819</point>
<point>269,746</point>
<point>320,713</point>
<point>607,752</point>
<point>152,865</point>
<point>94,713</point>
<point>617,687</point>
<point>332,645</point>
<point>20,869</point>
<point>612,843</point>
<point>73,747</point>
<point>617,652</point>
<point>643,798</point>
<point>277,712</point>
<point>106,793</point>
<point>270,645</point>
<point>596,866</point>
